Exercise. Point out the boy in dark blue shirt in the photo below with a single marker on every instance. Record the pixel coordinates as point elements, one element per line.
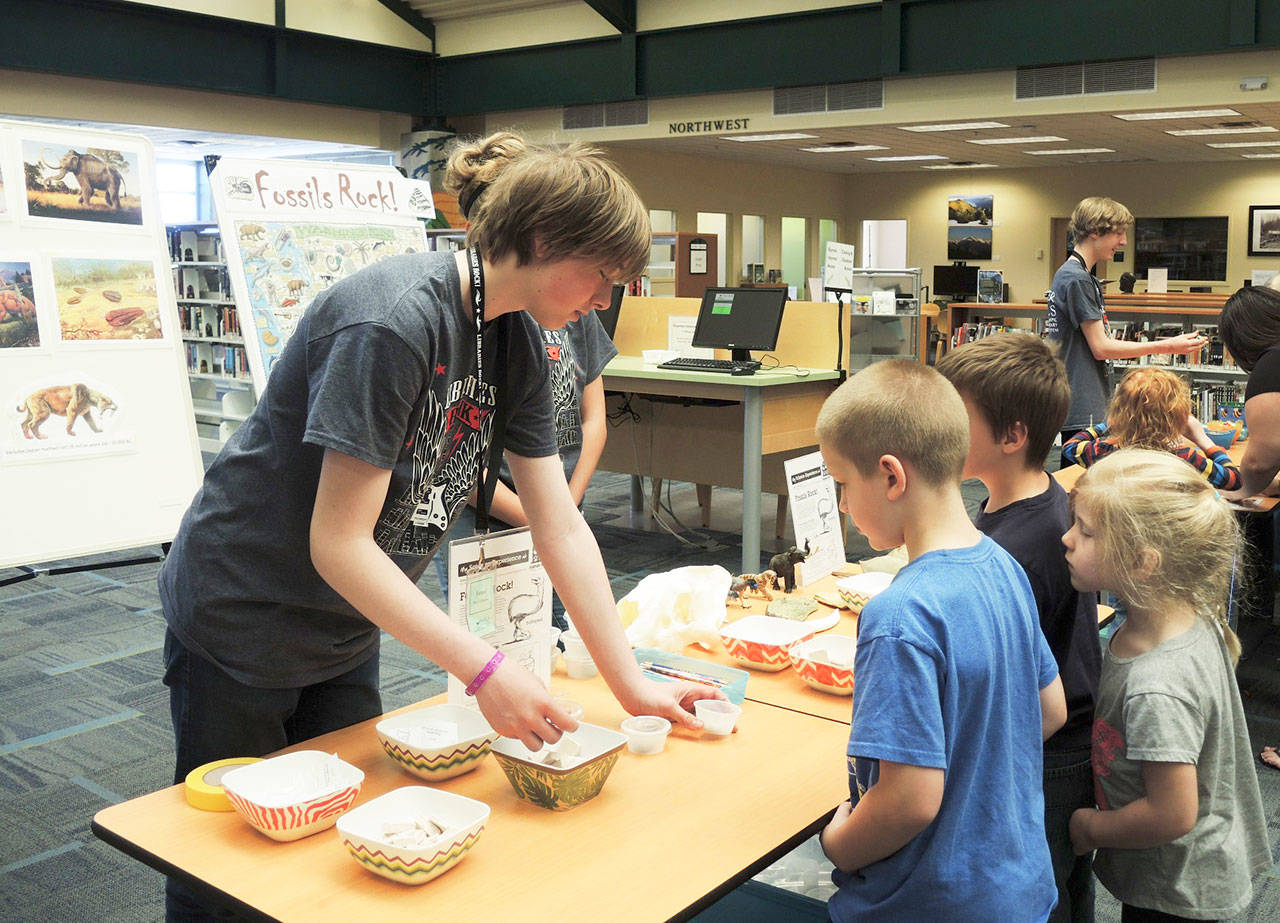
<point>1016,393</point>
<point>955,686</point>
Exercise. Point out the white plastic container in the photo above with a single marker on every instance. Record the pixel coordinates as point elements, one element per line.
<point>574,646</point>
<point>718,717</point>
<point>569,704</point>
<point>580,667</point>
<point>646,734</point>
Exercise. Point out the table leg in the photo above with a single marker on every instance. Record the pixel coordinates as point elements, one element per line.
<point>637,494</point>
<point>752,447</point>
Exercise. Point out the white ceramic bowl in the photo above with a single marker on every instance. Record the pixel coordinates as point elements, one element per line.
<point>718,717</point>
<point>295,795</point>
<point>363,833</point>
<point>420,741</point>
<point>826,663</point>
<point>646,734</point>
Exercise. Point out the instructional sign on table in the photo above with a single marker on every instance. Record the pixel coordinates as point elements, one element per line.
<point>499,591</point>
<point>815,512</point>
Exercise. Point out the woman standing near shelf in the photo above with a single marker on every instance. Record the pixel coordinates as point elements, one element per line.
<point>1077,318</point>
<point>315,521</point>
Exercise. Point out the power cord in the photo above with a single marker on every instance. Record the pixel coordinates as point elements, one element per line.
<point>799,372</point>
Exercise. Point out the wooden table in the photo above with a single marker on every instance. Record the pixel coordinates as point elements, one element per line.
<point>667,836</point>
<point>700,444</point>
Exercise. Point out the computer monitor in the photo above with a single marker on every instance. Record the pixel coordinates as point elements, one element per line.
<point>740,320</point>
<point>955,281</point>
<point>609,316</point>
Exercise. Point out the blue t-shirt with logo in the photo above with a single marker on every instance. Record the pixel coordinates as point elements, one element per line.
<point>948,673</point>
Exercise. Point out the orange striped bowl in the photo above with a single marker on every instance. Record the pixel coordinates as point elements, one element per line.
<point>362,833</point>
<point>295,795</point>
<point>463,753</point>
<point>761,641</point>
<point>826,663</point>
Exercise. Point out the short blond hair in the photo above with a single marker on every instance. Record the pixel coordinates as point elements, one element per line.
<point>1098,215</point>
<point>1149,409</point>
<point>550,202</point>
<point>1141,500</point>
<point>902,408</point>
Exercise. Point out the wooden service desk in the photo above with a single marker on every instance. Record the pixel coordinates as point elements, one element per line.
<point>772,414</point>
<point>668,835</point>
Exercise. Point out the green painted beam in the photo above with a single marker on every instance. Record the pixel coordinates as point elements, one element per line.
<point>621,14</point>
<point>111,40</point>
<point>413,18</point>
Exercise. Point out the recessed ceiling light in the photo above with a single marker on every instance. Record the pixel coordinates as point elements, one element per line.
<point>903,157</point>
<point>1254,130</point>
<point>1178,114</point>
<point>839,148</point>
<point>1041,139</point>
<point>957,166</point>
<point>954,126</point>
<point>1260,156</point>
<point>1074,150</point>
<point>1243,144</point>
<point>776,136</point>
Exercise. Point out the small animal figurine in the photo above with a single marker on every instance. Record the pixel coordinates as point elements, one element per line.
<point>784,565</point>
<point>757,585</point>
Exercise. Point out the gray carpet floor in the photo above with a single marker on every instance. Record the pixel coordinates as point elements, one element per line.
<point>84,719</point>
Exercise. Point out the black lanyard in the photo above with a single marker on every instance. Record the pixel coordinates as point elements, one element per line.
<point>477,306</point>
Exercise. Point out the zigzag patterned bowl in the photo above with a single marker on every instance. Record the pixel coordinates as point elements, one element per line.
<point>826,663</point>
<point>461,754</point>
<point>295,795</point>
<point>761,641</point>
<point>361,831</point>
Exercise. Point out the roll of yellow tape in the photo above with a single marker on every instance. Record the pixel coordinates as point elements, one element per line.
<point>204,783</point>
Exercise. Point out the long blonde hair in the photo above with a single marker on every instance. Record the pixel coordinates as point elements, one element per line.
<point>549,202</point>
<point>1143,503</point>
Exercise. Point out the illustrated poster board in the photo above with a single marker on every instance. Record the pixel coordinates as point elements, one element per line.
<point>504,597</point>
<point>292,228</point>
<point>811,492</point>
<point>98,447</point>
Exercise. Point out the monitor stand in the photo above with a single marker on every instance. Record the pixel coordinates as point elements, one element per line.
<point>740,355</point>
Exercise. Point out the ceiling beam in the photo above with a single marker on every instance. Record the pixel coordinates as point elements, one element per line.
<point>621,14</point>
<point>413,18</point>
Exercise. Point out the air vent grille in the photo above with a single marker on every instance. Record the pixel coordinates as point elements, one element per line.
<point>588,116</point>
<point>1132,76</point>
<point>833,97</point>
<point>627,112</point>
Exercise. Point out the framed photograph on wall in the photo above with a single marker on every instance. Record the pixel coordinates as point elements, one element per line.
<point>1264,230</point>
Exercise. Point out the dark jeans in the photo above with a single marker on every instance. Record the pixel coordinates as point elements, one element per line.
<point>215,717</point>
<point>1068,785</point>
<point>1131,914</point>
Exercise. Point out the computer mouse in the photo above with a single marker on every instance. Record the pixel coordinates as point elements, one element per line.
<point>743,371</point>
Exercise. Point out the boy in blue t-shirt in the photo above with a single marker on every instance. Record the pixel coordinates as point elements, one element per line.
<point>1016,392</point>
<point>955,686</point>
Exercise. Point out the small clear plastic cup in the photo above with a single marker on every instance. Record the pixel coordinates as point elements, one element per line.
<point>718,717</point>
<point>579,667</point>
<point>574,646</point>
<point>646,733</point>
<point>571,705</point>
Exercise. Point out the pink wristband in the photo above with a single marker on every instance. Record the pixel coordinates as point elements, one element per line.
<point>484,674</point>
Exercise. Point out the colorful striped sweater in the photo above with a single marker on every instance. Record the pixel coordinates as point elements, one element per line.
<point>1092,444</point>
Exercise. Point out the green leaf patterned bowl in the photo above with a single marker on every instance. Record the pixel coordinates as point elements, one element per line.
<point>555,788</point>
<point>405,738</point>
<point>363,832</point>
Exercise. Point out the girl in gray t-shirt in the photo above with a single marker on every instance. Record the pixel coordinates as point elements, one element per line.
<point>1179,826</point>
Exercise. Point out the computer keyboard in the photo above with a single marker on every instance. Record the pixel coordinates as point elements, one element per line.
<point>689,364</point>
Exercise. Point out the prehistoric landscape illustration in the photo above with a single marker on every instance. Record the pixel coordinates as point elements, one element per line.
<point>105,299</point>
<point>82,183</point>
<point>18,325</point>
<point>286,264</point>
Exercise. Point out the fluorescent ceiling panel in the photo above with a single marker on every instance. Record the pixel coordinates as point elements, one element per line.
<point>904,157</point>
<point>776,136</point>
<point>1189,132</point>
<point>954,126</point>
<point>1075,150</point>
<point>1178,114</point>
<point>843,148</point>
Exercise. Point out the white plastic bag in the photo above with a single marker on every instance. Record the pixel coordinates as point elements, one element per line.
<point>676,608</point>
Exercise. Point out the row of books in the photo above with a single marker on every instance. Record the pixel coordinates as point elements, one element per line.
<point>1214,353</point>
<point>209,320</point>
<point>641,287</point>
<point>980,327</point>
<point>1218,401</point>
<point>207,359</point>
